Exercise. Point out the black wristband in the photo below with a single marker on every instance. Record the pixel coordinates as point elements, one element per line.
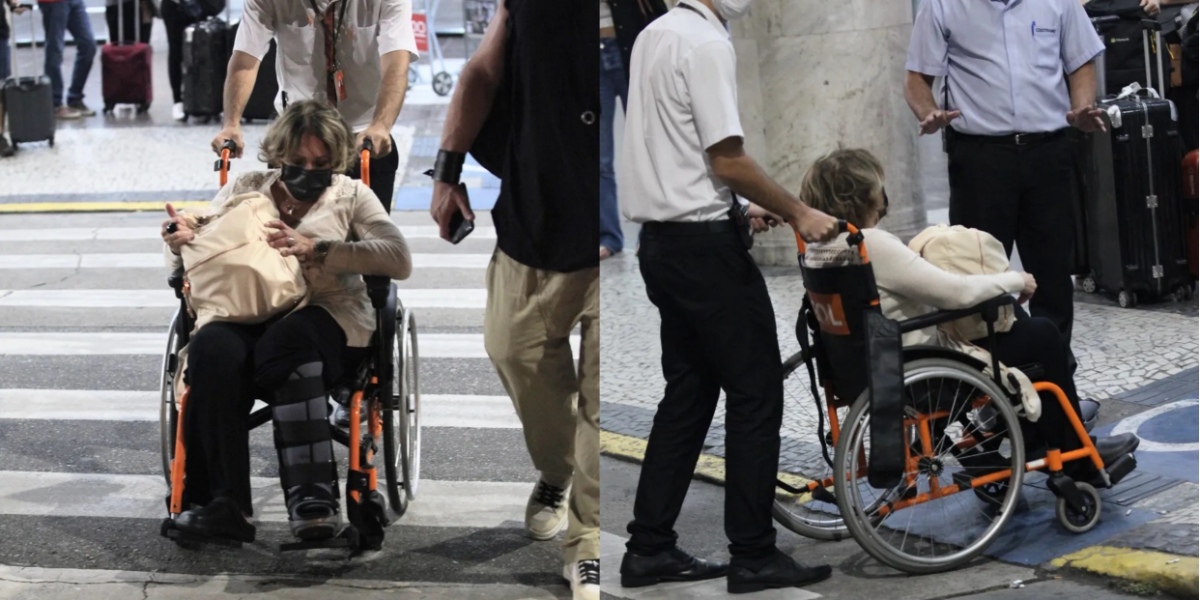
<point>448,166</point>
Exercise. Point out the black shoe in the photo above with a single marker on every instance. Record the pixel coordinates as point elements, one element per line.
<point>313,512</point>
<point>1089,411</point>
<point>780,572</point>
<point>672,565</point>
<point>6,149</point>
<point>220,518</point>
<point>1115,446</point>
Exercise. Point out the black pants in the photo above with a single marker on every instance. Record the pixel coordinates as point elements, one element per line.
<point>1022,194</point>
<point>383,176</point>
<point>176,20</point>
<point>1036,340</point>
<point>718,332</point>
<point>229,366</point>
<point>129,15</point>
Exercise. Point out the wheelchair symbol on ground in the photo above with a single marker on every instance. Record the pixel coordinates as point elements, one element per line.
<point>1167,428</point>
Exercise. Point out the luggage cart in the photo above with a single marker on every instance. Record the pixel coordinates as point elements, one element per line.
<point>427,43</point>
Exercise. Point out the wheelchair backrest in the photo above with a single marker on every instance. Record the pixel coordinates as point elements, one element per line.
<point>838,296</point>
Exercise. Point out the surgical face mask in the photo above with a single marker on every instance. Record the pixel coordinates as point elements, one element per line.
<point>732,10</point>
<point>306,185</point>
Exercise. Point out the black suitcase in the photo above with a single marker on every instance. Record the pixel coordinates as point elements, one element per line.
<point>261,103</point>
<point>205,60</point>
<point>29,103</point>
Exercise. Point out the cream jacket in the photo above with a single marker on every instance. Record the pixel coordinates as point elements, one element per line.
<point>369,244</point>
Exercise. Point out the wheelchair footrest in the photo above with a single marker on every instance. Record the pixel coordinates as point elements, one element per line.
<point>1120,468</point>
<point>173,533</point>
<point>348,538</point>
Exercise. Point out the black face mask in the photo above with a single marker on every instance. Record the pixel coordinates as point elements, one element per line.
<point>306,185</point>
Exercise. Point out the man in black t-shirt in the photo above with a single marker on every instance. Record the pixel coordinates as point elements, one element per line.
<point>526,107</point>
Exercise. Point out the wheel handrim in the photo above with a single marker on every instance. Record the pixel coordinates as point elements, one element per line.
<point>883,535</point>
<point>167,403</point>
<point>412,413</point>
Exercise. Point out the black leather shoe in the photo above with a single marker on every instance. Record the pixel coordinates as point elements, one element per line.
<point>220,518</point>
<point>672,565</point>
<point>781,572</point>
<point>1115,446</point>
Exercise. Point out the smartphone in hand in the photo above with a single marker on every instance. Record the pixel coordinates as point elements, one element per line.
<point>460,227</point>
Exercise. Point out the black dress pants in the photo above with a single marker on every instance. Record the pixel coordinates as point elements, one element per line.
<point>718,332</point>
<point>176,21</point>
<point>1022,194</point>
<point>383,176</point>
<point>1036,340</point>
<point>229,366</point>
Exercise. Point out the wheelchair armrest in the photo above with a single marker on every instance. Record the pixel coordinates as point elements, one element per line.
<point>378,287</point>
<point>175,280</point>
<point>990,310</point>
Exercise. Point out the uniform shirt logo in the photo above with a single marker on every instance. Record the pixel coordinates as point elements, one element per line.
<point>1034,29</point>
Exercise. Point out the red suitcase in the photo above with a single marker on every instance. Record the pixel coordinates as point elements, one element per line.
<point>1190,196</point>
<point>125,69</point>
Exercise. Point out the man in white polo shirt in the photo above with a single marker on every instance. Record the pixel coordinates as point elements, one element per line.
<point>684,161</point>
<point>354,53</point>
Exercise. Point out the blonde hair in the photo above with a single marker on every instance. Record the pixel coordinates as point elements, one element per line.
<point>309,117</point>
<point>844,184</point>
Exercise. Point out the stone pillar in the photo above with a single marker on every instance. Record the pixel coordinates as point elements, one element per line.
<point>813,75</point>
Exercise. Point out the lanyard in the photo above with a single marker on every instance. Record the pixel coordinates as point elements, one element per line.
<point>338,24</point>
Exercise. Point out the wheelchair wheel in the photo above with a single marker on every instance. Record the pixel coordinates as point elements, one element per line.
<point>910,527</point>
<point>815,514</point>
<point>402,418</point>
<point>168,414</point>
<point>1080,521</point>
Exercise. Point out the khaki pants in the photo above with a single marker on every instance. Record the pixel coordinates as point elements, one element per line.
<point>530,315</point>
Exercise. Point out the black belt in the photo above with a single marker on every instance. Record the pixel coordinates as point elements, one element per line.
<point>1012,139</point>
<point>679,229</point>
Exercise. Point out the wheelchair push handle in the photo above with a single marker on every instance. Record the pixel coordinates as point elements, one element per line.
<point>222,165</point>
<point>844,226</point>
<point>368,148</point>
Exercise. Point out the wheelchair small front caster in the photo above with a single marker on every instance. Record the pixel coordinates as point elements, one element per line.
<point>1127,299</point>
<point>1080,521</point>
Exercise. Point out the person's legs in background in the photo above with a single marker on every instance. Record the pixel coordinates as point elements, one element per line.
<point>54,24</point>
<point>612,86</point>
<point>175,20</point>
<point>80,27</point>
<point>6,149</point>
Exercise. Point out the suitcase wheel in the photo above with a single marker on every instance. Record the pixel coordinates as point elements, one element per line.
<point>108,108</point>
<point>1182,293</point>
<point>442,83</point>
<point>143,109</point>
<point>51,141</point>
<point>1127,299</point>
<point>1088,284</point>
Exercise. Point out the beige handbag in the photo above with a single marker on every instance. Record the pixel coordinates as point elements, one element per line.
<point>231,274</point>
<point>965,251</point>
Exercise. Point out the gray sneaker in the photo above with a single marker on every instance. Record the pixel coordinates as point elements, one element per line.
<point>82,108</point>
<point>66,112</point>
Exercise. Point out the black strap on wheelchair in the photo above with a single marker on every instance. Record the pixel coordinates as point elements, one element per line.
<point>307,473</point>
<point>804,323</point>
<point>885,360</point>
<point>302,389</point>
<point>289,434</point>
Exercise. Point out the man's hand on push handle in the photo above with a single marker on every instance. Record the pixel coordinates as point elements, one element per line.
<point>448,199</point>
<point>380,139</point>
<point>816,226</point>
<point>230,132</point>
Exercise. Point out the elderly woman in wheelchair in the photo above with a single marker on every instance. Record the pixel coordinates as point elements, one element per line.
<point>339,231</point>
<point>933,417</point>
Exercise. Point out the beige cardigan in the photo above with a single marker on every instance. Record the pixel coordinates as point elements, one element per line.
<point>909,286</point>
<point>366,242</point>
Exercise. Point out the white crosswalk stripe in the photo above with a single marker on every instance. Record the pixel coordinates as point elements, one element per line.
<point>471,430</point>
<point>56,343</point>
<point>411,298</point>
<point>154,260</point>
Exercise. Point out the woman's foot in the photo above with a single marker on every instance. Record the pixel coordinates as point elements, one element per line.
<point>605,252</point>
<point>313,512</point>
<point>177,112</point>
<point>220,518</point>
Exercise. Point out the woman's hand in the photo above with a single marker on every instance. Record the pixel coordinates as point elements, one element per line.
<point>291,243</point>
<point>1028,290</point>
<point>182,234</point>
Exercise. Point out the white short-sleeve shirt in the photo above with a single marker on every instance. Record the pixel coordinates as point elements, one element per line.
<point>682,101</point>
<point>372,28</point>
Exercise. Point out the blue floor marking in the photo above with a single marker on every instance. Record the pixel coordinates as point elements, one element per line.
<point>1176,425</point>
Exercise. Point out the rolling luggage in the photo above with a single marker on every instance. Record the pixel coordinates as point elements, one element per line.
<point>125,69</point>
<point>205,60</point>
<point>261,103</point>
<point>1125,47</point>
<point>29,103</point>
<point>1133,199</point>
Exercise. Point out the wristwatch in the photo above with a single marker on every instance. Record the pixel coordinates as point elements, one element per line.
<point>320,251</point>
